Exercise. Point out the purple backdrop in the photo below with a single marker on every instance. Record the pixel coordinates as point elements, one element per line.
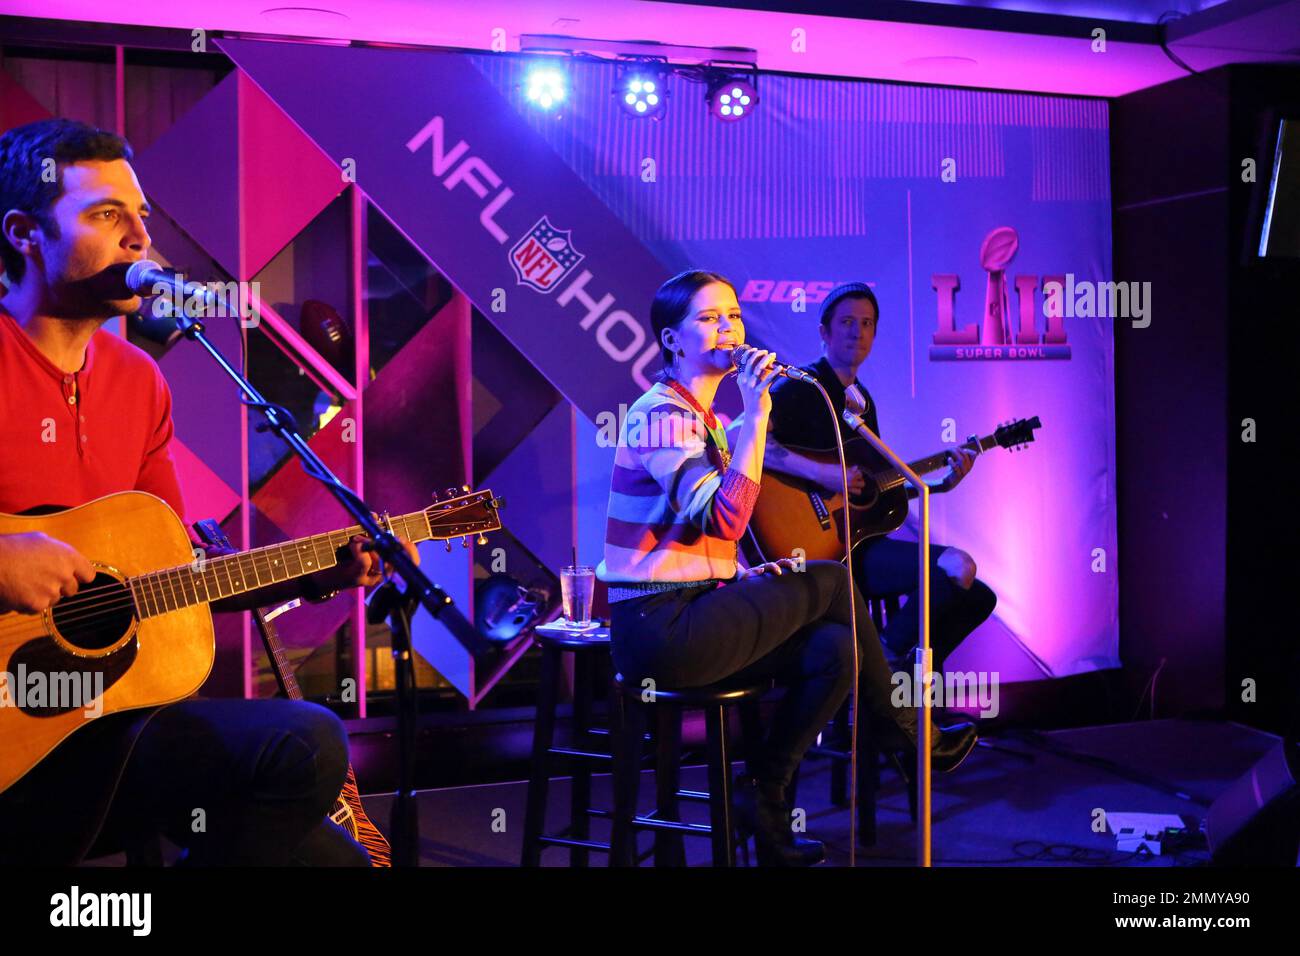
<point>553,228</point>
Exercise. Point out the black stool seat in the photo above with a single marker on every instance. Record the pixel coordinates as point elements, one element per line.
<point>720,693</point>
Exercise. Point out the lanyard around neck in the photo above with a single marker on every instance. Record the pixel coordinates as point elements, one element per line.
<point>710,420</point>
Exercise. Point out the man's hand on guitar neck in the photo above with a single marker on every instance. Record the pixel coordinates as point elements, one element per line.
<point>960,461</point>
<point>36,571</point>
<point>362,569</point>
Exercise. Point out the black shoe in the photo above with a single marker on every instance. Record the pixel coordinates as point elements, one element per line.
<point>949,746</point>
<point>762,811</point>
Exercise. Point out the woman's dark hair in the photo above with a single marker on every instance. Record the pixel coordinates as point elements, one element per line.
<point>673,299</point>
<point>849,290</point>
<point>25,180</point>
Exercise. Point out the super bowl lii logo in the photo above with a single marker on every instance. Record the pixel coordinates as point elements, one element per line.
<point>1000,336</point>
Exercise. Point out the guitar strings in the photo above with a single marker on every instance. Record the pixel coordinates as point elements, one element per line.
<point>228,558</point>
<point>223,559</point>
<point>125,598</point>
<point>79,611</point>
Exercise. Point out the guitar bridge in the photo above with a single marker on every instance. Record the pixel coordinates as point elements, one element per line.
<point>820,509</point>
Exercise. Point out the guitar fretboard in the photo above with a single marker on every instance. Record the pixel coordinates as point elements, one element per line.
<point>212,579</point>
<point>284,673</point>
<point>890,479</point>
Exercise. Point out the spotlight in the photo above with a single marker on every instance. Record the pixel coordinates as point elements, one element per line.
<point>545,86</point>
<point>732,98</point>
<point>642,91</point>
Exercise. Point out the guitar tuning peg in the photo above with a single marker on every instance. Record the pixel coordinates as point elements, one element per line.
<point>434,496</point>
<point>481,539</point>
<point>465,489</point>
<point>448,543</point>
<point>452,492</point>
<point>464,540</point>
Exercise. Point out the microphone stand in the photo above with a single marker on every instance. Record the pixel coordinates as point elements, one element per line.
<point>801,376</point>
<point>922,660</point>
<point>389,601</point>
<point>853,625</point>
<point>420,590</point>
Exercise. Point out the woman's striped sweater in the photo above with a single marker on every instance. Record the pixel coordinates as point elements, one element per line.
<point>673,514</point>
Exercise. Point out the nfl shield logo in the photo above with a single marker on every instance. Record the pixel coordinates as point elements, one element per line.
<point>544,256</point>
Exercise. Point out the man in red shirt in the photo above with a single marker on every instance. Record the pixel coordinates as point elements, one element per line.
<point>83,413</point>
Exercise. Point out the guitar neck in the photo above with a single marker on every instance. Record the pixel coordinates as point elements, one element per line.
<point>212,579</point>
<point>284,674</point>
<point>923,466</point>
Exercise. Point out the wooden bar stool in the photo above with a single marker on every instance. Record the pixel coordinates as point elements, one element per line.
<point>589,649</point>
<point>630,704</point>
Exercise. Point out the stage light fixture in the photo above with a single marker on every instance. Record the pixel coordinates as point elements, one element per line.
<point>545,86</point>
<point>732,98</point>
<point>642,91</point>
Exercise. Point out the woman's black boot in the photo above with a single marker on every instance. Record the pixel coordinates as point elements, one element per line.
<point>761,810</point>
<point>949,746</point>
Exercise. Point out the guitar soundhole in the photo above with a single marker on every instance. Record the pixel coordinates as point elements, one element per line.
<point>97,616</point>
<point>866,497</point>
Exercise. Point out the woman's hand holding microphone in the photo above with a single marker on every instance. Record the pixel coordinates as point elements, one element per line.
<point>755,374</point>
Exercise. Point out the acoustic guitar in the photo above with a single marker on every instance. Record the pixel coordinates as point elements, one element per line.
<point>794,513</point>
<point>347,811</point>
<point>140,634</point>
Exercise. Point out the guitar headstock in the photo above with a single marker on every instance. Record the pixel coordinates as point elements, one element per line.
<point>464,514</point>
<point>1017,434</point>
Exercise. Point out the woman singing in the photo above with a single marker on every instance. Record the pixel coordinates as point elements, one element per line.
<point>684,614</point>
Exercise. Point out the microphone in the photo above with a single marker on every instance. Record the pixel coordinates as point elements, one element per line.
<point>856,422</point>
<point>854,400</point>
<point>741,352</point>
<point>145,276</point>
<point>855,408</point>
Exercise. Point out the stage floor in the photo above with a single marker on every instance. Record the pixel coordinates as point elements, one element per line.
<point>998,809</point>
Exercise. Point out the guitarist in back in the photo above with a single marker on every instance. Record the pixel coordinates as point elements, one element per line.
<point>883,566</point>
<point>84,414</point>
